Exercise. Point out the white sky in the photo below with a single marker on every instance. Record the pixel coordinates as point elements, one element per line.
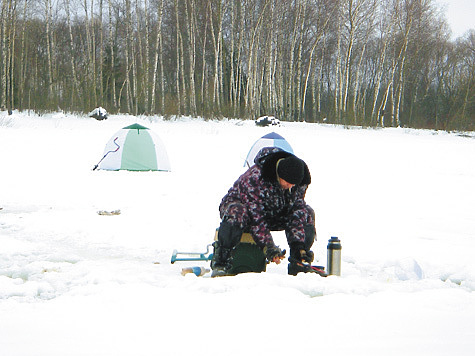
<point>460,15</point>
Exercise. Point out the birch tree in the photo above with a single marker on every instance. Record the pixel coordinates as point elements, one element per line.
<point>369,23</point>
<point>338,76</point>
<point>158,50</point>
<point>23,55</point>
<point>356,17</point>
<point>177,79</point>
<point>191,29</point>
<point>298,98</point>
<point>4,54</point>
<point>239,62</point>
<point>321,25</point>
<point>400,59</point>
<point>251,85</point>
<point>386,25</point>
<point>290,97</point>
<point>216,35</point>
<point>76,90</point>
<point>101,53</point>
<point>48,49</point>
<point>112,55</point>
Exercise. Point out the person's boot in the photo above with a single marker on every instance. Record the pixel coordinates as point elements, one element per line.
<point>296,266</point>
<point>221,263</point>
<point>228,237</point>
<point>300,261</point>
<point>310,236</point>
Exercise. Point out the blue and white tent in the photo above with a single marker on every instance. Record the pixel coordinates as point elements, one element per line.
<point>270,140</point>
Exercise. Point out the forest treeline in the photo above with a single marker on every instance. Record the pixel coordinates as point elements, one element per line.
<point>351,62</point>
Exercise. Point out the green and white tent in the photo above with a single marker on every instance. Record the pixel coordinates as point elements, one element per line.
<point>135,148</point>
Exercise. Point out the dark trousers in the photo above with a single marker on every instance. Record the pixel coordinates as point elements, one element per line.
<point>235,221</point>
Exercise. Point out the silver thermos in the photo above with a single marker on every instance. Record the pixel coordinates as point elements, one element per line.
<point>334,256</point>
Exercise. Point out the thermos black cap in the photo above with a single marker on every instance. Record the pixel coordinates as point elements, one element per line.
<point>334,243</point>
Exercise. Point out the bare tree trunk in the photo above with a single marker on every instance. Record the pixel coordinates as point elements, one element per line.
<point>307,75</point>
<point>231,73</point>
<point>88,74</point>
<point>399,93</point>
<point>217,41</point>
<point>11,54</point>
<point>298,98</point>
<point>204,89</point>
<point>357,83</point>
<point>48,49</point>
<point>338,84</point>
<point>251,81</point>
<point>101,54</point>
<point>23,62</point>
<point>222,64</point>
<point>191,27</point>
<point>281,64</point>
<point>385,37</point>
<point>319,83</point>
<point>127,59</point>
<point>399,59</point>
<point>270,62</point>
<point>146,64</point>
<point>318,37</point>
<point>72,54</point>
<point>379,75</point>
<point>92,52</point>
<point>112,54</point>
<point>125,84</point>
<point>179,98</point>
<point>291,75</point>
<point>353,24</point>
<point>157,50</point>
<point>239,74</point>
<point>135,96</point>
<point>466,96</point>
<point>162,77</point>
<point>137,54</point>
<point>368,19</point>
<point>182,72</point>
<point>4,55</point>
<point>259,64</point>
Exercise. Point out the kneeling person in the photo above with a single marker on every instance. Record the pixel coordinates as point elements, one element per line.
<point>269,196</point>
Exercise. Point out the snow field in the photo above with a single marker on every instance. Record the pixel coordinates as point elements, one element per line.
<point>77,283</point>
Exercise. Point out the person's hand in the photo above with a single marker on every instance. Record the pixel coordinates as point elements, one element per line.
<point>278,259</point>
<point>299,253</point>
<point>274,254</point>
<point>306,256</point>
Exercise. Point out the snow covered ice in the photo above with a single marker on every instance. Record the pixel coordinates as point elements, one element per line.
<point>73,282</point>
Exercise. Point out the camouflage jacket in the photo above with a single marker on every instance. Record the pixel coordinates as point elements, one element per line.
<point>269,206</point>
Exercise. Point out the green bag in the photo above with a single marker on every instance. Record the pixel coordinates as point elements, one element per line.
<point>248,257</point>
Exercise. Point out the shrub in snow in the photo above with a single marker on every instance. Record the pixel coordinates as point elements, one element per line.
<point>98,113</point>
<point>267,121</point>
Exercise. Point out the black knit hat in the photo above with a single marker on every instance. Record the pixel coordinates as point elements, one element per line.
<point>291,169</point>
